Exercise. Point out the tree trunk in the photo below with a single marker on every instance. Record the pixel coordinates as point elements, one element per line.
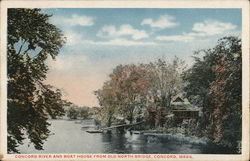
<point>109,119</point>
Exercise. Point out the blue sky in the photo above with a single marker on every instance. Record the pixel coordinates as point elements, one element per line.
<point>100,39</point>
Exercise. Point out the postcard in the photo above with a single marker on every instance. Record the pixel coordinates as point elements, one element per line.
<point>124,80</point>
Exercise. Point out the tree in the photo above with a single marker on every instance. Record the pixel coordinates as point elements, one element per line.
<point>84,112</point>
<point>224,103</point>
<point>131,88</point>
<point>167,81</point>
<point>199,77</point>
<point>124,92</point>
<point>108,102</point>
<point>215,79</point>
<point>132,84</point>
<point>31,40</point>
<point>72,113</point>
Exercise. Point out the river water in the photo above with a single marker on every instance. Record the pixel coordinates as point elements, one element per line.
<point>71,137</point>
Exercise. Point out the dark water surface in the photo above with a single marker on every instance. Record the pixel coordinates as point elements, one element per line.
<point>71,137</point>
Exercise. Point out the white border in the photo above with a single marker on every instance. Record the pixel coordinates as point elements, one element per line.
<point>243,4</point>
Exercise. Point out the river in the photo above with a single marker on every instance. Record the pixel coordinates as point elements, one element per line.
<point>70,137</point>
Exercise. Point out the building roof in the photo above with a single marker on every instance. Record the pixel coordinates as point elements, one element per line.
<point>181,103</point>
<point>178,99</point>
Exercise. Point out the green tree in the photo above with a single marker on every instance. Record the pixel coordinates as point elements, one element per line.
<point>214,82</point>
<point>224,103</point>
<point>31,40</point>
<point>108,101</point>
<point>72,113</point>
<point>84,112</point>
<point>199,77</point>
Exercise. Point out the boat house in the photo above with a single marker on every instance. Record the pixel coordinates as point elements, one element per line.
<point>183,109</point>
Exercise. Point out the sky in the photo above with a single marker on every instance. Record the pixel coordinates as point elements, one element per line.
<point>99,39</point>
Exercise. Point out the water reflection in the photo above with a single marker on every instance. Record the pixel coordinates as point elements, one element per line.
<point>115,143</point>
<point>72,138</point>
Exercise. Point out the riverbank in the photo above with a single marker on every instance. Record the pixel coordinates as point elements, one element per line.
<point>183,134</point>
<point>69,136</point>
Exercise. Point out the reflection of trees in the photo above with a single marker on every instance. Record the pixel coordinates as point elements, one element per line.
<point>116,142</point>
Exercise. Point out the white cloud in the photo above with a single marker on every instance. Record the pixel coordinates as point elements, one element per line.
<point>124,30</point>
<point>212,27</point>
<point>203,29</point>
<point>164,21</point>
<point>184,38</point>
<point>77,39</point>
<point>123,42</point>
<point>73,38</point>
<point>67,62</point>
<point>74,20</point>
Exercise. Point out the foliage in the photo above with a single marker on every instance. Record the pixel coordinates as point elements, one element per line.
<point>199,77</point>
<point>214,82</point>
<point>109,100</point>
<point>76,112</point>
<point>224,105</point>
<point>132,83</point>
<point>84,112</point>
<point>167,81</point>
<point>142,91</point>
<point>31,39</point>
<point>72,113</point>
